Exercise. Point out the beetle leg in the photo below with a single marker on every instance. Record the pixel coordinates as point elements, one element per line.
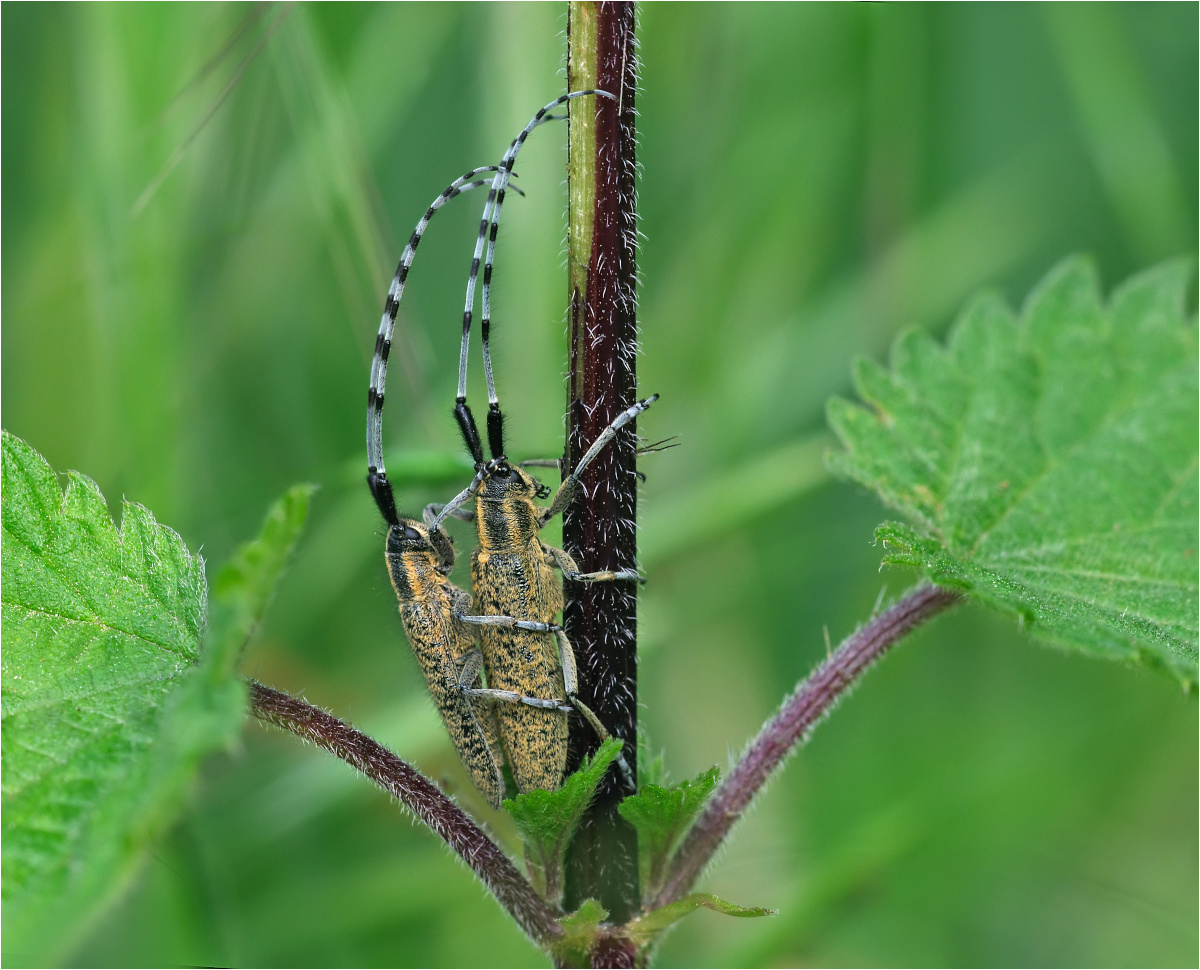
<point>570,570</point>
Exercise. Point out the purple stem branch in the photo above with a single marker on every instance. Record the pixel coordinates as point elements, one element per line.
<point>811,700</point>
<point>420,796</point>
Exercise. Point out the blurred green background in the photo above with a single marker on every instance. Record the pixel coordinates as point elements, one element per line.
<point>189,308</point>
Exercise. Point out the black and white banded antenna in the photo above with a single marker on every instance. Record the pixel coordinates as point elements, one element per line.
<point>489,226</point>
<point>377,479</point>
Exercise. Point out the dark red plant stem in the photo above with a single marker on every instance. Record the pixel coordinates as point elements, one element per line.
<point>811,700</point>
<point>420,796</point>
<point>614,951</point>
<point>599,528</point>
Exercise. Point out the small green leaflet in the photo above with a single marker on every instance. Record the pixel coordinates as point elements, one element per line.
<point>109,698</point>
<point>547,820</point>
<point>645,928</point>
<point>580,931</point>
<point>662,815</point>
<point>1047,463</point>
<point>651,763</point>
<point>582,928</point>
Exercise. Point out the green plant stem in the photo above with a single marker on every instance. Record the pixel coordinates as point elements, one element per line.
<point>812,699</point>
<point>420,796</point>
<point>599,529</point>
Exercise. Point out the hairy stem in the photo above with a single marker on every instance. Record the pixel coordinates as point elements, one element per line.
<point>811,700</point>
<point>599,530</point>
<point>614,951</point>
<point>420,796</point>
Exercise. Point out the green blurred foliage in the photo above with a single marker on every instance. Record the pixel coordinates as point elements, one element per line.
<point>815,177</point>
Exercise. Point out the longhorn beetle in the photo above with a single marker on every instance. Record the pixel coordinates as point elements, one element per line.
<point>435,613</point>
<point>512,574</point>
<point>512,570</point>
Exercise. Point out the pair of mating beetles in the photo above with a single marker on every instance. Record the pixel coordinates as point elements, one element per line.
<point>509,634</point>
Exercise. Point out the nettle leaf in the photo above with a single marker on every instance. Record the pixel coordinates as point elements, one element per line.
<point>100,626</point>
<point>547,820</point>
<point>1047,463</point>
<point>109,699</point>
<point>662,815</point>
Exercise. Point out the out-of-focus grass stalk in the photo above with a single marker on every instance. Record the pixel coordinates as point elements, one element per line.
<point>1127,143</point>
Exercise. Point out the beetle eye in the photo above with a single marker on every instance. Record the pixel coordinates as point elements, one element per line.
<point>404,533</point>
<point>400,538</point>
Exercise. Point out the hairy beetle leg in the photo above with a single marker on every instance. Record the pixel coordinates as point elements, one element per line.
<point>512,697</point>
<point>570,569</point>
<point>566,656</point>
<point>507,621</point>
<point>429,515</point>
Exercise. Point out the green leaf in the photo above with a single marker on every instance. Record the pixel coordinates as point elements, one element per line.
<point>547,820</point>
<point>580,930</point>
<point>243,587</point>
<point>1047,463</point>
<point>661,816</point>
<point>645,928</point>
<point>109,700</point>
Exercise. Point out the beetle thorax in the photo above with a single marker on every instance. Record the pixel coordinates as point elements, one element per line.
<point>414,574</point>
<point>508,523</point>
